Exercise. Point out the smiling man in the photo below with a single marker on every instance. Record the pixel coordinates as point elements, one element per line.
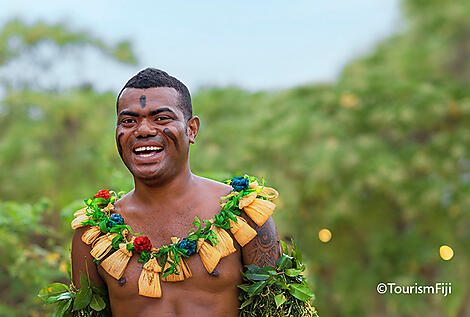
<point>155,128</point>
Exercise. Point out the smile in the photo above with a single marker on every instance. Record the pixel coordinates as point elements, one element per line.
<point>147,151</point>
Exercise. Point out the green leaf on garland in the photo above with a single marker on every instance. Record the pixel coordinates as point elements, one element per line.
<point>244,287</point>
<point>246,303</point>
<point>97,303</point>
<point>281,284</point>
<point>84,281</point>
<point>59,297</point>
<point>62,308</point>
<point>284,262</point>
<point>257,275</point>
<point>52,290</point>
<point>256,288</point>
<point>296,254</point>
<point>284,247</point>
<point>270,269</point>
<point>301,291</point>
<point>252,267</point>
<point>103,226</point>
<point>279,299</point>
<point>82,299</point>
<point>293,272</point>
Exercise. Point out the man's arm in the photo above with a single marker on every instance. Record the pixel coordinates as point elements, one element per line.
<point>264,249</point>
<point>82,261</point>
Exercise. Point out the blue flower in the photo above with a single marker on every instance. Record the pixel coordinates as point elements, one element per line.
<point>240,183</point>
<point>189,245</point>
<point>115,219</point>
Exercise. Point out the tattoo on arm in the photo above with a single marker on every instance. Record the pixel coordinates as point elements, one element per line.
<point>264,249</point>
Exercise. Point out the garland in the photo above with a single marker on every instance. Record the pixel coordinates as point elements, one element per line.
<point>113,242</point>
<point>269,291</point>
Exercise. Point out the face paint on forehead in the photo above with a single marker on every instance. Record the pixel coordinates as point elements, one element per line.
<point>143,99</point>
<point>119,143</point>
<point>170,134</point>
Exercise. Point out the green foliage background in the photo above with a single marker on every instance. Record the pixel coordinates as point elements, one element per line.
<point>380,157</point>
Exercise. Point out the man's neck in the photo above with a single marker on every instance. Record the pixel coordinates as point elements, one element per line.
<point>177,186</point>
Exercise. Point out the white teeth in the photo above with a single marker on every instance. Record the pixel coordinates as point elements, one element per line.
<point>145,155</point>
<point>148,148</point>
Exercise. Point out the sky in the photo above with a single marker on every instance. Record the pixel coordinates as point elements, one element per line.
<point>256,45</point>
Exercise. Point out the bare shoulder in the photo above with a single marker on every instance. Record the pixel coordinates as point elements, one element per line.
<point>214,186</point>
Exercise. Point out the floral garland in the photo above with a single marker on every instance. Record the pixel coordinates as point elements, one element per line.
<point>113,242</point>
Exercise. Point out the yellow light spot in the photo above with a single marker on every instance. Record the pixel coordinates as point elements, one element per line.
<point>453,108</point>
<point>53,258</point>
<point>446,252</point>
<point>324,235</point>
<point>349,100</point>
<point>63,267</point>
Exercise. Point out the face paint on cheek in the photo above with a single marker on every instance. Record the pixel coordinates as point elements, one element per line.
<point>170,134</point>
<point>143,99</point>
<point>119,143</point>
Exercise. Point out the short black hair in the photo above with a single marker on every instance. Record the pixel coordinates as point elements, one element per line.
<point>151,78</point>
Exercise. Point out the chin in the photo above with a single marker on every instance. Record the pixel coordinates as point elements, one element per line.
<point>147,174</point>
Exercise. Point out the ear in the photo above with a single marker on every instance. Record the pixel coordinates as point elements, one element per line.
<point>193,128</point>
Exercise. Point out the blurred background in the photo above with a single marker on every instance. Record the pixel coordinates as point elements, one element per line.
<point>358,112</point>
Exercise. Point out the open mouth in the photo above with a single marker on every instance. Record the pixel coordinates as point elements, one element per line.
<point>147,151</point>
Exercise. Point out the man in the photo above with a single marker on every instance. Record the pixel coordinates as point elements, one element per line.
<point>155,128</point>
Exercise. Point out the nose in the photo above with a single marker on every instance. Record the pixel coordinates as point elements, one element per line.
<point>145,129</point>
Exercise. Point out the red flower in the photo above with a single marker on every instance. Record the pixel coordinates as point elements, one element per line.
<point>142,243</point>
<point>104,193</point>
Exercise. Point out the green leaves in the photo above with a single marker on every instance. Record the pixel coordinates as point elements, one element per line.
<point>301,291</point>
<point>62,307</point>
<point>256,288</point>
<point>282,287</point>
<point>284,262</point>
<point>84,281</point>
<point>82,299</point>
<point>52,290</point>
<point>103,226</point>
<point>279,299</point>
<point>293,272</point>
<point>257,274</point>
<point>88,299</point>
<point>97,303</point>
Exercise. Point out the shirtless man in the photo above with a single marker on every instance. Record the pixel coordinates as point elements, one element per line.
<point>154,109</point>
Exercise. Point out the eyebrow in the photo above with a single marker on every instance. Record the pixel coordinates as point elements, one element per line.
<point>128,113</point>
<point>152,113</point>
<point>164,109</point>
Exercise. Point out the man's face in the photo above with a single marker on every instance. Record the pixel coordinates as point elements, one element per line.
<point>152,134</point>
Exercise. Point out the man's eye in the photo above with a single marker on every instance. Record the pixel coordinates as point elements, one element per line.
<point>162,118</point>
<point>127,121</point>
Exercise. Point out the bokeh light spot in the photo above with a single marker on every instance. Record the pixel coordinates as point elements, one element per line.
<point>324,235</point>
<point>446,252</point>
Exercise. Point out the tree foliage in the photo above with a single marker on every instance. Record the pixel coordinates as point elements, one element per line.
<point>379,157</point>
